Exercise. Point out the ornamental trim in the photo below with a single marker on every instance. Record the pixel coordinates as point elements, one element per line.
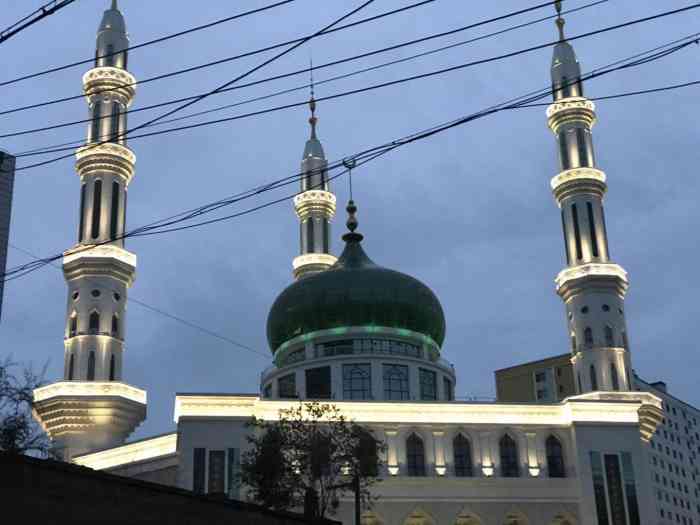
<point>90,389</point>
<point>577,174</point>
<point>593,270</point>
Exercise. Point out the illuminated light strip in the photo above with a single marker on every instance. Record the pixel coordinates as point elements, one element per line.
<point>109,75</point>
<point>314,258</point>
<point>595,269</point>
<point>314,196</point>
<point>99,251</point>
<point>145,450</point>
<point>90,389</point>
<point>576,174</point>
<point>106,148</point>
<point>569,103</point>
<point>617,407</point>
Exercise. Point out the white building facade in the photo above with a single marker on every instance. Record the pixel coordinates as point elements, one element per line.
<point>369,340</point>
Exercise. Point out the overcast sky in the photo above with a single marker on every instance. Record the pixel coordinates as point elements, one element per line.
<point>469,211</point>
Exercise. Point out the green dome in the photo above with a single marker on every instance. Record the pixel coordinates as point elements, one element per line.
<point>354,292</point>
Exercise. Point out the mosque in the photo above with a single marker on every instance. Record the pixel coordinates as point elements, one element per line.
<point>368,338</point>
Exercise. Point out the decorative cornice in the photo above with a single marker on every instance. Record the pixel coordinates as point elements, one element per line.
<point>312,263</point>
<point>110,82</point>
<point>104,259</point>
<point>314,201</point>
<point>90,389</point>
<point>571,109</point>
<point>578,180</point>
<point>571,281</point>
<point>108,156</point>
<point>145,450</point>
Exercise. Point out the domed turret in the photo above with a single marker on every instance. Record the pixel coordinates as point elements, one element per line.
<point>355,292</point>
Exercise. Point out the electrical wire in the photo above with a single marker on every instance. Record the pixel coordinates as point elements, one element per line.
<point>363,157</point>
<point>316,68</point>
<point>365,89</point>
<point>223,60</point>
<point>40,13</point>
<point>144,44</point>
<point>160,311</point>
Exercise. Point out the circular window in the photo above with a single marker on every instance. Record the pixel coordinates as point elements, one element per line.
<point>75,296</point>
<point>606,308</point>
<point>95,293</point>
<point>117,296</point>
<point>584,310</point>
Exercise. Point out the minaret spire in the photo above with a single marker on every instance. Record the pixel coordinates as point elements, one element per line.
<point>560,21</point>
<point>92,408</point>
<point>114,6</point>
<point>592,287</point>
<point>315,204</point>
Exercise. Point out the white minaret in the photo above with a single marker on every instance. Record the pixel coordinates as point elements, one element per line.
<point>315,206</point>
<point>592,286</point>
<point>92,408</point>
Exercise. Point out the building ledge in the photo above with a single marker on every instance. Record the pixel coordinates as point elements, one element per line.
<point>90,389</point>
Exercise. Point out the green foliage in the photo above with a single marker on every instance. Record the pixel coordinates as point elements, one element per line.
<point>310,457</point>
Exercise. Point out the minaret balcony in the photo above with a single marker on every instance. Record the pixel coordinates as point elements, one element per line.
<point>572,281</point>
<point>104,259</point>
<point>312,263</point>
<point>112,81</point>
<point>109,156</point>
<point>584,180</point>
<point>570,110</point>
<point>314,202</point>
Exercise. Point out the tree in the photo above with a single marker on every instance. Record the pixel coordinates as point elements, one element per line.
<point>310,457</point>
<point>19,433</point>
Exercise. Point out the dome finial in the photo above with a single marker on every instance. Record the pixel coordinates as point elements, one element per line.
<point>560,21</point>
<point>312,100</point>
<point>351,223</point>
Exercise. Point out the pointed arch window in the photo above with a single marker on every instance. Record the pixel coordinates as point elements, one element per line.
<point>114,212</point>
<point>71,366</point>
<point>73,325</point>
<point>96,208</point>
<point>96,119</point>
<point>115,325</point>
<point>462,456</point>
<point>594,378</point>
<point>609,337</point>
<point>591,227</point>
<point>555,458</point>
<point>415,456</point>
<point>588,336</point>
<point>91,366</point>
<point>510,464</point>
<point>112,366</point>
<point>614,377</point>
<point>114,122</point>
<point>577,232</point>
<point>82,212</point>
<point>94,325</point>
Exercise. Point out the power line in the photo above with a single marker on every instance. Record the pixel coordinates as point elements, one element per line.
<point>318,67</point>
<point>144,44</point>
<point>32,18</point>
<point>356,91</point>
<point>132,299</point>
<point>366,155</point>
<point>223,60</point>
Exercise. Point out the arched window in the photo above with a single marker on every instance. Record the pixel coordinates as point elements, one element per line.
<point>510,464</point>
<point>462,456</point>
<point>95,127</point>
<point>94,325</point>
<point>367,453</point>
<point>588,336</point>
<point>613,376</point>
<point>71,367</point>
<point>415,456</point>
<point>115,325</point>
<point>555,458</point>
<point>112,364</point>
<point>73,325</point>
<point>96,208</point>
<point>573,343</point>
<point>114,212</point>
<point>114,122</point>
<point>609,339</point>
<point>594,378</point>
<point>91,366</point>
<point>82,212</point>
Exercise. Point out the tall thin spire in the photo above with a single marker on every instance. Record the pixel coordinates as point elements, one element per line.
<point>560,21</point>
<point>312,101</point>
